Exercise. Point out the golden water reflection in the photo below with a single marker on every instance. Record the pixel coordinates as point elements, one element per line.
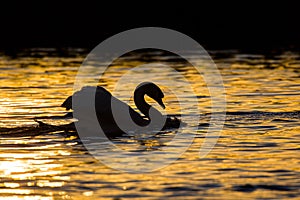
<point>257,155</point>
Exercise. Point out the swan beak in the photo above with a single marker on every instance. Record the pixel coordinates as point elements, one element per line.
<point>160,102</point>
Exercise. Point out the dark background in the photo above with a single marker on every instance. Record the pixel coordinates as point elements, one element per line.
<point>246,25</point>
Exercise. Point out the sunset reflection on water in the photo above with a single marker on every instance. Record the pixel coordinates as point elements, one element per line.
<point>257,155</point>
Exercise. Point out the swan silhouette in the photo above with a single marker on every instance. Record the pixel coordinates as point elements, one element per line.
<point>105,104</point>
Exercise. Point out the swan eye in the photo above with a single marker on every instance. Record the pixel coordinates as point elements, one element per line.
<point>160,95</point>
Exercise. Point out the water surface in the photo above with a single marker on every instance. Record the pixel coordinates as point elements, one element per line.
<point>256,157</point>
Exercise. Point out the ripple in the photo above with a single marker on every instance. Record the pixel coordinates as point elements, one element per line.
<point>257,154</point>
<point>251,188</point>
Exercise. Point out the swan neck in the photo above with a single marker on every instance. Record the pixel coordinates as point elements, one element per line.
<point>139,100</point>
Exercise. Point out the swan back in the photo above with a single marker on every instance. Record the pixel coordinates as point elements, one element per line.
<point>103,97</point>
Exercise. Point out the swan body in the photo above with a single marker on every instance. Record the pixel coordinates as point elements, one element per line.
<point>108,107</point>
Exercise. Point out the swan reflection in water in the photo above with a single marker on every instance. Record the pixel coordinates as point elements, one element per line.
<point>108,108</point>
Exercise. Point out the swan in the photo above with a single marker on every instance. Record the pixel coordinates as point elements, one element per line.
<point>104,109</point>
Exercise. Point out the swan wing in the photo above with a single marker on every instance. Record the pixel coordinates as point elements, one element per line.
<point>102,96</point>
<point>103,106</point>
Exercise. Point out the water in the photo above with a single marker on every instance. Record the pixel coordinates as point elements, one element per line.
<point>256,157</point>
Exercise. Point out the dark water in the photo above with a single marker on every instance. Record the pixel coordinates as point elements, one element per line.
<point>256,157</point>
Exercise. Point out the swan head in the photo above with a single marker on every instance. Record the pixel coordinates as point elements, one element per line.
<point>153,91</point>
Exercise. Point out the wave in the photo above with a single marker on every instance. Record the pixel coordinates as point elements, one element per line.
<point>69,129</point>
